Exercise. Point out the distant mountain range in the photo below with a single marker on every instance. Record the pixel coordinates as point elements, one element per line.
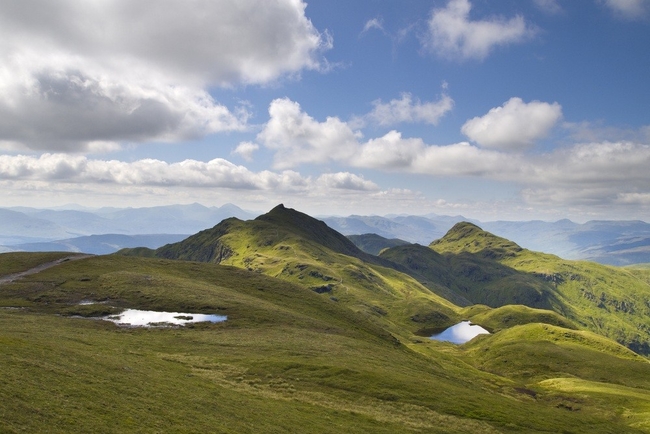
<point>101,244</point>
<point>34,229</point>
<point>31,229</point>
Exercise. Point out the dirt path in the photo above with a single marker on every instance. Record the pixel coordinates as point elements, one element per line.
<point>12,277</point>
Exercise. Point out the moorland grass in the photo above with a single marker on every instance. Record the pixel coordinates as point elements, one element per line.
<point>286,360</point>
<point>18,262</point>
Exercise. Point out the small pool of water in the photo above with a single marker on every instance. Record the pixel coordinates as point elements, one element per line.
<point>460,333</point>
<point>149,318</point>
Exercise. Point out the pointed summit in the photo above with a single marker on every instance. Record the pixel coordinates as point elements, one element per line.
<point>310,228</point>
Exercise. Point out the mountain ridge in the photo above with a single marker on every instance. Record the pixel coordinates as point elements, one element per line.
<point>603,241</point>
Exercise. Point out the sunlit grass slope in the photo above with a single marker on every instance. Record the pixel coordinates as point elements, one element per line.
<point>577,368</point>
<point>286,360</point>
<point>512,315</point>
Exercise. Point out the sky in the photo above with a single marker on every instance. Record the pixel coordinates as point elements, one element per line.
<point>508,110</point>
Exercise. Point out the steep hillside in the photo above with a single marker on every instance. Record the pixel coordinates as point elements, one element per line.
<point>311,229</point>
<point>613,302</point>
<point>268,229</point>
<point>431,270</point>
<point>474,278</point>
<point>467,266</point>
<point>298,248</point>
<point>466,237</point>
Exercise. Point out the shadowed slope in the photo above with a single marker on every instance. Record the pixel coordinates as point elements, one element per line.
<point>473,276</point>
<point>374,244</point>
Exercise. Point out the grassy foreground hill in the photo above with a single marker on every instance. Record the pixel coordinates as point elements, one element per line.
<point>285,360</point>
<point>318,338</point>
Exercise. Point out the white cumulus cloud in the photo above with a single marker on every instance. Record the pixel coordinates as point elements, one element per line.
<point>389,152</point>
<point>346,181</point>
<point>453,34</point>
<point>217,173</point>
<point>246,150</point>
<point>598,173</point>
<point>77,73</point>
<point>409,110</point>
<point>53,177</point>
<point>298,138</point>
<point>513,126</point>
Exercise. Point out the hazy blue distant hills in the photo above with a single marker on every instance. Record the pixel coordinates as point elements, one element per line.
<point>172,219</point>
<point>61,224</point>
<point>101,244</point>
<point>17,224</point>
<point>72,230</point>
<point>606,242</point>
<point>414,229</point>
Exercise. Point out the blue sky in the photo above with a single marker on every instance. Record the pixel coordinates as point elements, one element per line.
<point>514,110</point>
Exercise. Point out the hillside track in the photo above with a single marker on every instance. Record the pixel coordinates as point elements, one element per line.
<point>15,276</point>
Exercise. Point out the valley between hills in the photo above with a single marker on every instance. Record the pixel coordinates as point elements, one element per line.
<point>323,337</point>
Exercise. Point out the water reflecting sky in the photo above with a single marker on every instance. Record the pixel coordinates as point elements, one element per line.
<point>137,317</point>
<point>460,333</point>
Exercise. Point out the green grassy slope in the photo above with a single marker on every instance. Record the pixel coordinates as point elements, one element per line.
<point>573,368</point>
<point>286,360</point>
<point>467,266</point>
<point>613,302</point>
